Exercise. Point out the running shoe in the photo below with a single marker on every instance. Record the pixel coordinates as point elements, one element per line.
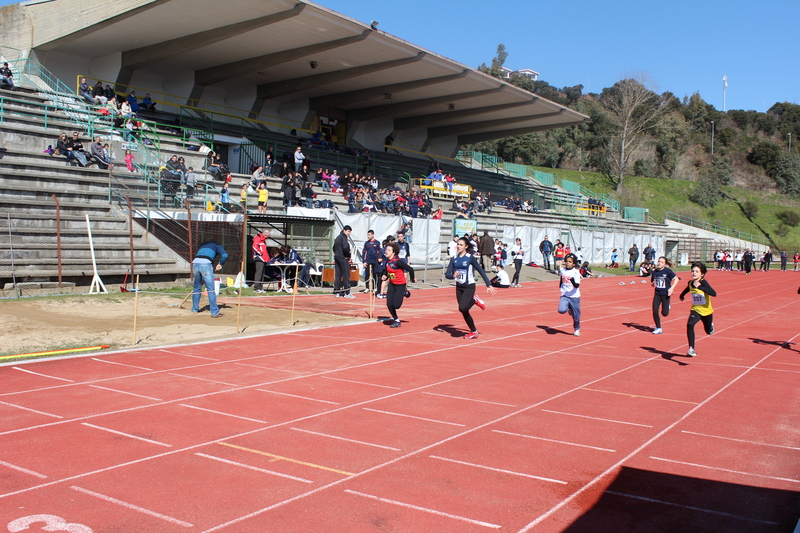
<point>337,295</point>
<point>472,335</point>
<point>479,303</point>
<point>382,296</point>
<point>395,324</point>
<point>577,333</point>
<point>712,330</point>
<point>657,331</point>
<point>691,352</point>
<point>365,291</point>
<point>407,295</point>
<point>350,296</point>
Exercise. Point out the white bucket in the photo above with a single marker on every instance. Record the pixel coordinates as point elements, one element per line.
<point>217,283</point>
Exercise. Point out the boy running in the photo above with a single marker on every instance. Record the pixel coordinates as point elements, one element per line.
<point>663,279</point>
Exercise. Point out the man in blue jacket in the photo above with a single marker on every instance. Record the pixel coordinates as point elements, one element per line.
<point>203,268</point>
<point>372,255</point>
<point>546,248</point>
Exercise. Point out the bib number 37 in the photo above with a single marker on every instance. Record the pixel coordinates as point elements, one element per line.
<point>51,523</point>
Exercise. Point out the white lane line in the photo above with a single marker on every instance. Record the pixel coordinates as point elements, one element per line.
<point>742,440</point>
<point>31,410</point>
<point>223,414</point>
<point>361,383</point>
<point>187,355</point>
<point>596,418</point>
<point>469,399</point>
<point>691,508</point>
<point>425,509</point>
<point>540,478</point>
<point>254,468</point>
<point>725,470</point>
<point>126,392</point>
<point>348,440</point>
<point>296,396</point>
<point>132,506</point>
<point>412,416</point>
<point>23,470</point>
<point>269,368</point>
<point>121,364</point>
<point>553,440</point>
<point>126,434</point>
<point>42,375</point>
<point>202,379</point>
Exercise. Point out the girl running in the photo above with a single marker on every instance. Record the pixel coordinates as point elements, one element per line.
<point>570,292</point>
<point>701,304</point>
<point>519,256</point>
<point>462,268</point>
<point>663,279</point>
<point>395,274</point>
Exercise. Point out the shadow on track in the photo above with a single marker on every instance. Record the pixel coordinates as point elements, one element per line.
<point>451,329</point>
<point>553,331</point>
<point>669,356</point>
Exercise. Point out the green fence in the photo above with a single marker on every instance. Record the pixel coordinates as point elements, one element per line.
<point>634,214</point>
<point>728,232</point>
<point>571,186</point>
<point>544,178</point>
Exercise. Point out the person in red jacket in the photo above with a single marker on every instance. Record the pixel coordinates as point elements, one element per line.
<point>261,258</point>
<point>395,274</point>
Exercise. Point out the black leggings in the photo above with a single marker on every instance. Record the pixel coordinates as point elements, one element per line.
<point>394,298</point>
<point>465,294</point>
<point>660,301</point>
<point>517,270</point>
<point>694,318</point>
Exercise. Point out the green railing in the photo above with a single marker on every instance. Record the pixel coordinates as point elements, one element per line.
<point>721,230</point>
<point>571,186</point>
<point>634,214</point>
<point>544,178</point>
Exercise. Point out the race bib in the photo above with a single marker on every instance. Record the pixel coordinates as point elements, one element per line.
<point>698,298</point>
<point>402,253</point>
<point>660,282</point>
<point>461,276</point>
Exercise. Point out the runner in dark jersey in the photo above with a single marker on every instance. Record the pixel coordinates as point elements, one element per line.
<point>395,274</point>
<point>663,279</point>
<point>462,268</point>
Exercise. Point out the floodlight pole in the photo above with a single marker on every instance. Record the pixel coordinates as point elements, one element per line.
<point>712,137</point>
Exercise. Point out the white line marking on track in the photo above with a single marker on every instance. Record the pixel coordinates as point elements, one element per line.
<point>223,414</point>
<point>254,468</point>
<point>742,440</point>
<point>202,379</point>
<point>31,410</point>
<point>269,368</point>
<point>691,508</point>
<point>121,364</point>
<point>187,355</point>
<point>126,435</point>
<point>42,375</point>
<point>132,506</point>
<point>553,440</point>
<point>361,383</point>
<point>469,399</point>
<point>725,470</point>
<point>540,478</point>
<point>296,396</point>
<point>23,470</point>
<point>126,392</point>
<point>596,418</point>
<point>425,509</point>
<point>412,416</point>
<point>348,440</point>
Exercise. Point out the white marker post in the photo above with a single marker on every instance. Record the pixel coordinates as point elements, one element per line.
<point>96,281</point>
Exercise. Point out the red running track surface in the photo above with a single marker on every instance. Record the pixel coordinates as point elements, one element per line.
<point>366,428</point>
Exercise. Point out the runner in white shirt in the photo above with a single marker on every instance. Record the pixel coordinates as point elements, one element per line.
<point>570,292</point>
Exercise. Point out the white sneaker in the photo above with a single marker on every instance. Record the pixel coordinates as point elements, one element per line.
<point>577,333</point>
<point>691,352</point>
<point>349,296</point>
<point>657,331</point>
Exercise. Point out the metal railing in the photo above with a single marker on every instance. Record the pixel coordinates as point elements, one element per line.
<point>721,230</point>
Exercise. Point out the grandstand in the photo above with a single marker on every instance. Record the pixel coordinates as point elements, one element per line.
<point>151,237</point>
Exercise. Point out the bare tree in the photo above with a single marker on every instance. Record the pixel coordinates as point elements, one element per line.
<point>633,111</point>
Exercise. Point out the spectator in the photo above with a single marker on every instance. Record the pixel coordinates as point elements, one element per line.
<point>501,280</point>
<point>129,161</point>
<point>372,256</point>
<point>191,182</point>
<point>173,167</point>
<point>63,148</point>
<point>243,197</point>
<point>258,177</point>
<point>299,159</point>
<point>77,149</point>
<point>486,248</point>
<point>86,92</point>
<point>288,191</point>
<point>633,256</point>
<point>99,94</point>
<point>263,195</point>
<point>289,256</point>
<point>97,154</point>
<point>225,197</point>
<point>586,271</point>
<point>452,247</point>
<point>613,263</point>
<point>546,248</point>
<point>649,253</point>
<point>7,77</point>
<point>645,269</point>
<point>147,103</point>
<point>203,268</point>
<point>309,195</point>
<point>438,214</point>
<point>109,93</point>
<point>341,257</point>
<point>134,103</point>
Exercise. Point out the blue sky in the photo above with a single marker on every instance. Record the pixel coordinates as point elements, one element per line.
<point>685,46</point>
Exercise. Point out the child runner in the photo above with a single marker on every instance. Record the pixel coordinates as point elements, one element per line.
<point>701,304</point>
<point>570,292</point>
<point>462,268</point>
<point>663,279</point>
<point>395,274</point>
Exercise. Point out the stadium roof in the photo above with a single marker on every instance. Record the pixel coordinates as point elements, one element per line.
<point>290,51</point>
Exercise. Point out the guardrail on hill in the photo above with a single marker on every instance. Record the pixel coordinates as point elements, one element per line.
<point>722,230</point>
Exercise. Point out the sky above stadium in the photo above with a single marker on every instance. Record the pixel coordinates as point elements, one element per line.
<point>684,46</point>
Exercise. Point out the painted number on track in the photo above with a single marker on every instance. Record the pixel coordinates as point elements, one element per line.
<point>51,523</point>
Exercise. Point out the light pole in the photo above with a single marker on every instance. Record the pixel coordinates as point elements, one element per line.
<point>712,137</point>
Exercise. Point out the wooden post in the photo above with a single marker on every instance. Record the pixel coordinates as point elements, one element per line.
<point>135,309</point>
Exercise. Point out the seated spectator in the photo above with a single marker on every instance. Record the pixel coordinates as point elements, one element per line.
<point>7,77</point>
<point>125,109</point>
<point>437,215</point>
<point>501,280</point>
<point>147,103</point>
<point>191,182</point>
<point>287,255</point>
<point>586,271</point>
<point>134,103</point>
<point>109,92</point>
<point>99,94</point>
<point>63,148</point>
<point>86,92</point>
<point>102,159</point>
<point>309,195</point>
<point>225,197</point>
<point>645,269</point>
<point>76,146</point>
<point>174,169</point>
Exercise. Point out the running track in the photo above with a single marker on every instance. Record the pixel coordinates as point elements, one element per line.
<point>367,428</point>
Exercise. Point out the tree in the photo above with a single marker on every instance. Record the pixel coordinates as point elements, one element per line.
<point>633,110</point>
<point>497,62</point>
<point>787,174</point>
<point>765,154</point>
